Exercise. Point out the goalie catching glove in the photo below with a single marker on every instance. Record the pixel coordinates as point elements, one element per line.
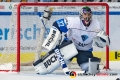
<point>101,40</point>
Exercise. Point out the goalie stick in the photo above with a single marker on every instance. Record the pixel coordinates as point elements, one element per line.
<point>44,19</point>
<point>46,16</point>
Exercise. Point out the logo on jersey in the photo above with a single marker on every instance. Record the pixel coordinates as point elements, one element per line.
<point>79,43</point>
<point>73,74</point>
<point>84,37</point>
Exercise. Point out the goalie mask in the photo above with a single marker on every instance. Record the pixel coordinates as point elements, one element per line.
<point>86,15</point>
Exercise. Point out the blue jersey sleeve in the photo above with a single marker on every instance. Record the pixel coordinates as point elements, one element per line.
<point>61,25</point>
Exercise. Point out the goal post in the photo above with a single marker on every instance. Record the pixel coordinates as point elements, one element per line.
<point>26,26</point>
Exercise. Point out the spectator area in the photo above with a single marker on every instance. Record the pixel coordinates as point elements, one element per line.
<point>60,0</point>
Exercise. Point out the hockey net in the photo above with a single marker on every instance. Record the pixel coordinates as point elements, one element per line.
<point>25,28</point>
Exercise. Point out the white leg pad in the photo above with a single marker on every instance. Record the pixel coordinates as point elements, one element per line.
<point>40,69</point>
<point>94,66</point>
<point>49,63</point>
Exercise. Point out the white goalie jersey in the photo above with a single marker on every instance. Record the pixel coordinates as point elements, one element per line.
<point>81,35</point>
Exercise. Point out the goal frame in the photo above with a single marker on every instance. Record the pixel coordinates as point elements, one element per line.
<point>59,4</point>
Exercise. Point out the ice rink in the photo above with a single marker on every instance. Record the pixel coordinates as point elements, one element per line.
<point>21,76</point>
<point>59,75</point>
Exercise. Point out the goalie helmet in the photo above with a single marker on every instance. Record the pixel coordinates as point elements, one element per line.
<point>86,15</point>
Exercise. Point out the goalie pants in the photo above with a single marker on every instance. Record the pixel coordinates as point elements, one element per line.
<point>82,56</point>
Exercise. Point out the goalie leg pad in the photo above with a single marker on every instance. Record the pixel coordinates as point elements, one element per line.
<point>50,61</point>
<point>39,67</point>
<point>94,65</point>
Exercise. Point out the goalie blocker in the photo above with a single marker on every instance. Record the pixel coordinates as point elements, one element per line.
<point>49,62</point>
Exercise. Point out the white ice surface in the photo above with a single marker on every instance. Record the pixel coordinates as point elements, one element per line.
<point>52,77</point>
<point>115,67</point>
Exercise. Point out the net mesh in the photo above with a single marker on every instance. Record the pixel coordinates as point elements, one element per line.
<point>30,32</point>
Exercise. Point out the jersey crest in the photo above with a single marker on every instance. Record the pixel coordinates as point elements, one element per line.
<point>84,37</point>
